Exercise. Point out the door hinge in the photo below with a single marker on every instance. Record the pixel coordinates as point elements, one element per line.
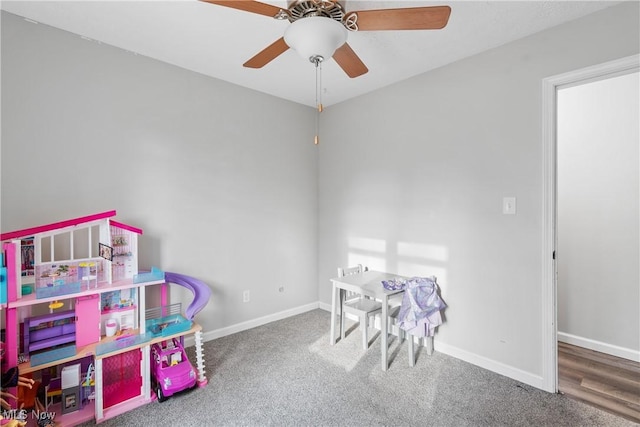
<point>554,254</point>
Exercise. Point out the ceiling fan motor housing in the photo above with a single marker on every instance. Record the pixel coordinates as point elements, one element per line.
<point>306,8</point>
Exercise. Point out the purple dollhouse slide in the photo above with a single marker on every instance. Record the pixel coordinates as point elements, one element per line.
<point>201,291</point>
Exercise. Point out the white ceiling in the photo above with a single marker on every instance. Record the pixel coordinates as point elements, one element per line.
<point>216,41</point>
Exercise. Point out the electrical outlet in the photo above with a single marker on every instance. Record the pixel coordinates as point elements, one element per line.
<point>246,296</point>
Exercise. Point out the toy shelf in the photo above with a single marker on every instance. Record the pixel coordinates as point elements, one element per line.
<point>101,288</point>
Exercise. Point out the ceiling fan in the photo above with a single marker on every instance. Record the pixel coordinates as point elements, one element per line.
<point>319,28</point>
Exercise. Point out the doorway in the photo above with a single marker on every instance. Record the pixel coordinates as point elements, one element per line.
<point>551,86</point>
<point>597,252</point>
<point>598,192</point>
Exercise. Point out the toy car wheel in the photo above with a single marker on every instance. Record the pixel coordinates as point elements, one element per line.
<point>159,395</point>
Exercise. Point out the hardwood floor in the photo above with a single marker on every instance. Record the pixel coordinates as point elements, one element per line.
<point>601,380</point>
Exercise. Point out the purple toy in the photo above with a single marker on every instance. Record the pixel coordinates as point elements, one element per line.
<point>201,292</point>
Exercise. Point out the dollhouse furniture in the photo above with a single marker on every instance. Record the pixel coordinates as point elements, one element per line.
<point>70,383</point>
<point>51,390</point>
<point>87,394</point>
<point>67,387</point>
<point>72,264</point>
<point>49,330</point>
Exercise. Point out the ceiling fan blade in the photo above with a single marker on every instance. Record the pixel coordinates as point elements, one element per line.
<point>268,54</point>
<point>411,18</point>
<point>248,6</point>
<point>349,61</point>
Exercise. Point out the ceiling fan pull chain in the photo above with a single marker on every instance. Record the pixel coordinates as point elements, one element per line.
<point>318,62</point>
<point>319,85</point>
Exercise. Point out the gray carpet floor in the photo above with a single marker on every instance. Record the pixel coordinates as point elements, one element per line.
<point>286,374</point>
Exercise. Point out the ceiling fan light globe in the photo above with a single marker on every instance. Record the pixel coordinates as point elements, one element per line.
<point>315,36</point>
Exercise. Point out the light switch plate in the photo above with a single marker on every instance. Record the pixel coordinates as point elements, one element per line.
<point>509,205</point>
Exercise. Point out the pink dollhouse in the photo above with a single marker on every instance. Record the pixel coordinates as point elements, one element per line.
<point>75,319</point>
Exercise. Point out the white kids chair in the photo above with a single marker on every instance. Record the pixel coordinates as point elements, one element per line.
<point>358,305</point>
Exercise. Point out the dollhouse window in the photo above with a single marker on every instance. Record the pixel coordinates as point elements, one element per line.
<point>62,247</point>
<point>81,243</point>
<point>45,249</point>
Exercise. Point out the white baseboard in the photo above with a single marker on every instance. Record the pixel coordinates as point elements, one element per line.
<point>249,324</point>
<point>497,367</point>
<point>490,364</point>
<point>614,350</point>
<point>483,362</point>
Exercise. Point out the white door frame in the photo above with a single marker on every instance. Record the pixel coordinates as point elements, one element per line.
<point>550,87</point>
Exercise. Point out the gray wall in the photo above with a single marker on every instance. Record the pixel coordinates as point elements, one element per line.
<point>414,180</point>
<point>598,211</point>
<point>410,178</point>
<point>197,163</point>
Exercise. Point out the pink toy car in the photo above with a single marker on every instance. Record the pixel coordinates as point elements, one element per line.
<point>171,370</point>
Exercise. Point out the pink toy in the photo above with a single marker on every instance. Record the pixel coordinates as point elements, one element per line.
<point>171,370</point>
<point>83,262</point>
<point>201,294</point>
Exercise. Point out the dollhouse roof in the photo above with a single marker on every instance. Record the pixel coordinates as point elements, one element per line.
<point>28,232</point>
